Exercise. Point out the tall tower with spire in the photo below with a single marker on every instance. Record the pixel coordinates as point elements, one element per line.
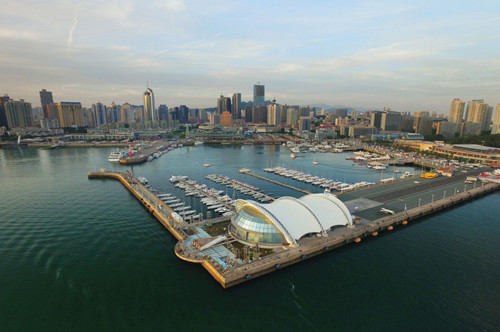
<point>149,106</point>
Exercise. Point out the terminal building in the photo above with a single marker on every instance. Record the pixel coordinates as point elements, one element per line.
<point>287,219</point>
<point>470,151</point>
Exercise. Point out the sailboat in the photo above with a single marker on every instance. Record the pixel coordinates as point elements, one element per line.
<point>18,139</point>
<point>315,162</point>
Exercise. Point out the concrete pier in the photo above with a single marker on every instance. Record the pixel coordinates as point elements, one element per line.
<point>235,273</point>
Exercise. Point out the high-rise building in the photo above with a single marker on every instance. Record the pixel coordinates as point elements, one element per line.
<point>390,121</point>
<point>376,119</point>
<point>19,114</point>
<point>236,106</point>
<point>149,106</point>
<point>273,114</point>
<point>476,111</point>
<point>45,99</point>
<point>292,116</point>
<point>259,114</point>
<point>446,128</point>
<point>100,114</point>
<point>495,129</point>
<point>52,111</point>
<point>3,114</point>
<point>70,114</point>
<point>407,123</point>
<point>126,115</point>
<point>304,123</point>
<point>223,104</point>
<point>481,113</point>
<point>113,113</point>
<point>248,114</point>
<point>258,95</point>
<point>456,112</point>
<point>486,121</point>
<point>423,125</point>
<point>163,112</point>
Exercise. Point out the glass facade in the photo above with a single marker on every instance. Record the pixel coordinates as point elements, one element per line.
<point>252,226</point>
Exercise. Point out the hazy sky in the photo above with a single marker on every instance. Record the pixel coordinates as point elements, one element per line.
<point>407,55</point>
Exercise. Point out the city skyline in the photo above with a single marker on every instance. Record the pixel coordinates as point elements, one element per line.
<point>402,55</point>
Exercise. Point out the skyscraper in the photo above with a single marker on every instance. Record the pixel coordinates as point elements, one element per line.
<point>481,113</point>
<point>70,114</point>
<point>376,119</point>
<point>496,121</point>
<point>236,106</point>
<point>391,121</point>
<point>149,106</point>
<point>476,111</point>
<point>456,112</point>
<point>100,114</point>
<point>273,114</point>
<point>19,114</point>
<point>45,99</point>
<point>258,95</point>
<point>163,112</point>
<point>221,104</point>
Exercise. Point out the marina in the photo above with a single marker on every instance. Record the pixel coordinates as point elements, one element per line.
<point>108,246</point>
<point>379,208</point>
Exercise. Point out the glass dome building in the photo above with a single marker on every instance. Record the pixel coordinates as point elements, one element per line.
<point>287,219</point>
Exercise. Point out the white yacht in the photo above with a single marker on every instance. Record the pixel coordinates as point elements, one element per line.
<point>115,156</point>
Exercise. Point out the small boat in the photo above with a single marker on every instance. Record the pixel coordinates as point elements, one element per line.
<point>206,165</point>
<point>292,156</point>
<point>315,162</point>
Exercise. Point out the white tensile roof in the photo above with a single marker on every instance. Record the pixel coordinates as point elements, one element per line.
<point>315,213</point>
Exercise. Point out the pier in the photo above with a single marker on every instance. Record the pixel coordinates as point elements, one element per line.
<point>197,243</point>
<point>244,188</point>
<point>205,193</point>
<point>275,182</point>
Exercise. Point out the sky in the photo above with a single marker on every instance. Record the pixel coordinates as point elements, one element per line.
<point>406,55</point>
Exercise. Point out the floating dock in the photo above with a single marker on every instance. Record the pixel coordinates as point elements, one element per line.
<point>275,182</point>
<point>235,271</point>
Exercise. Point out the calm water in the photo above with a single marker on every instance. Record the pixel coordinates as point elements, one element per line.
<point>79,254</point>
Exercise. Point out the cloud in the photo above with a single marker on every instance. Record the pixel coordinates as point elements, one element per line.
<point>71,30</point>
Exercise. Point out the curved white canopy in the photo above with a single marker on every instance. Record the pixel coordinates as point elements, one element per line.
<point>315,213</point>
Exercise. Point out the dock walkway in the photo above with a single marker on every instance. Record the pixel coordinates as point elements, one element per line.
<point>275,182</point>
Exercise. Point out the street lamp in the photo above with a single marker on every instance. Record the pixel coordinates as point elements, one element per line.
<point>419,201</point>
<point>432,198</point>
<point>444,194</point>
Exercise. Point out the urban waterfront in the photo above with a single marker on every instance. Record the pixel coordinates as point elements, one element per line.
<point>85,254</point>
